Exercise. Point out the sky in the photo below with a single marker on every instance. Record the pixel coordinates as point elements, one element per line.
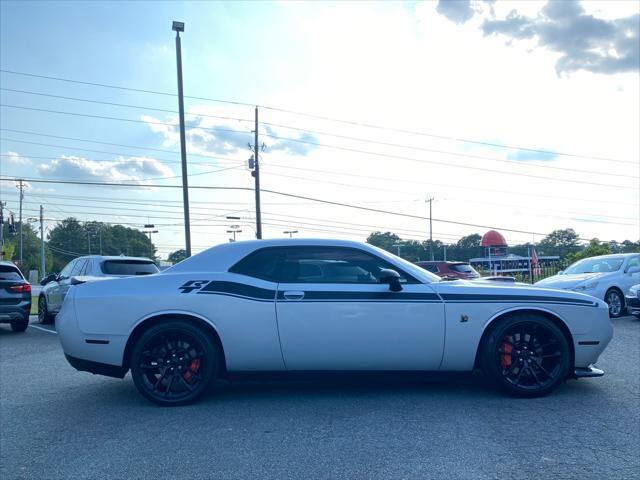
<point>519,115</point>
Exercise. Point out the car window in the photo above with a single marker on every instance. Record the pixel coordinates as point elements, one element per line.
<point>78,268</point>
<point>334,265</point>
<point>7,272</point>
<point>263,264</point>
<point>129,267</point>
<point>634,262</point>
<point>66,271</point>
<point>87,268</point>
<point>462,268</point>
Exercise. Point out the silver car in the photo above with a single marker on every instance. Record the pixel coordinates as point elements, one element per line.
<point>56,285</point>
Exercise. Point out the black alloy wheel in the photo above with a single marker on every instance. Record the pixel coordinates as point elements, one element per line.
<point>44,316</point>
<point>173,363</point>
<point>527,356</point>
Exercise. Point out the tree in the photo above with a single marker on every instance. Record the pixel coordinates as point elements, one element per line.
<point>594,249</point>
<point>30,248</point>
<point>384,240</point>
<point>560,242</point>
<point>177,256</point>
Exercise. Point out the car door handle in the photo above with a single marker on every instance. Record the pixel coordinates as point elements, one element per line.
<point>293,295</point>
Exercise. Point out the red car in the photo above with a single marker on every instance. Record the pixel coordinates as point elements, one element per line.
<point>450,270</point>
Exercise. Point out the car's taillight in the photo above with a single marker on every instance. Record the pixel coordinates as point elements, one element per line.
<point>24,288</point>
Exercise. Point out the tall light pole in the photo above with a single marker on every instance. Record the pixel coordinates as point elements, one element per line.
<point>398,246</point>
<point>290,232</point>
<point>430,200</point>
<point>42,265</point>
<point>21,187</point>
<point>179,27</point>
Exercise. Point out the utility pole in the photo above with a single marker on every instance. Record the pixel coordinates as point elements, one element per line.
<point>21,187</point>
<point>290,232</point>
<point>430,200</point>
<point>42,264</point>
<point>2,204</point>
<point>89,241</point>
<point>256,175</point>
<point>100,236</point>
<point>179,27</point>
<point>234,229</point>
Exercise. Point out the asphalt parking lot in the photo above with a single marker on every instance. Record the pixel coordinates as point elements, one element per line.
<point>57,423</point>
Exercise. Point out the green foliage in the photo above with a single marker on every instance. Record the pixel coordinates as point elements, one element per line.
<point>30,248</point>
<point>560,242</point>
<point>177,256</point>
<point>71,238</point>
<point>594,249</point>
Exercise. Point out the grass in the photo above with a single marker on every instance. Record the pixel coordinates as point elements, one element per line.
<point>34,306</point>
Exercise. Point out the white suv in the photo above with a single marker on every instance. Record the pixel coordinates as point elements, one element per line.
<point>606,277</point>
<point>56,285</point>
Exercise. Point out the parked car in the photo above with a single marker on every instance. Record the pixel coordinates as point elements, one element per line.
<point>264,306</point>
<point>606,277</point>
<point>632,299</point>
<point>56,285</point>
<point>15,297</point>
<point>450,270</point>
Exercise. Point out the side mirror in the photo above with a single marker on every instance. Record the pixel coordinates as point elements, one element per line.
<point>390,277</point>
<point>633,270</point>
<point>49,278</point>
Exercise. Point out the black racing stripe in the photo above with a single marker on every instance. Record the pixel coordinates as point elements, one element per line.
<point>239,289</point>
<point>463,297</point>
<point>362,296</point>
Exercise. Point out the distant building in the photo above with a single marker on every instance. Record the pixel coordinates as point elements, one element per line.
<point>499,261</point>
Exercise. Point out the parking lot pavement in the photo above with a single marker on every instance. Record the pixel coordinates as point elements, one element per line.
<point>56,423</point>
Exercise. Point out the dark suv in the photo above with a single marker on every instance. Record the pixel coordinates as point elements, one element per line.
<point>450,270</point>
<point>15,297</point>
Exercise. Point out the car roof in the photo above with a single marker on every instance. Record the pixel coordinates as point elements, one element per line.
<point>611,255</point>
<point>116,257</point>
<point>7,263</point>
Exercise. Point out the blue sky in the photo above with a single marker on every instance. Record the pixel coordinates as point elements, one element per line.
<point>462,71</point>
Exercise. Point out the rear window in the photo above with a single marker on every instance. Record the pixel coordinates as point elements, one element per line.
<point>263,264</point>
<point>8,272</point>
<point>462,268</point>
<point>128,267</point>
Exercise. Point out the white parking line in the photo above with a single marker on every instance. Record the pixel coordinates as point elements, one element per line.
<point>44,329</point>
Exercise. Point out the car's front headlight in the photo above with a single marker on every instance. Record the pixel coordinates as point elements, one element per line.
<point>588,286</point>
<point>634,291</point>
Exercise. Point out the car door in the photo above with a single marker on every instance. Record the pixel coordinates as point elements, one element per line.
<point>53,292</point>
<point>630,277</point>
<point>64,283</point>
<point>333,314</point>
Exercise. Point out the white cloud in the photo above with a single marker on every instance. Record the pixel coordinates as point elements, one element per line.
<point>15,158</point>
<point>132,169</point>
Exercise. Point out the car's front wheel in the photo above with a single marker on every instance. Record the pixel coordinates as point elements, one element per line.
<point>526,355</point>
<point>615,300</point>
<point>173,363</point>
<point>44,316</point>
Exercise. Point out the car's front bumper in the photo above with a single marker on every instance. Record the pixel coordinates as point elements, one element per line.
<point>633,305</point>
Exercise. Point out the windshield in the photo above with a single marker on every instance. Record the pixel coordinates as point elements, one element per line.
<point>595,265</point>
<point>129,267</point>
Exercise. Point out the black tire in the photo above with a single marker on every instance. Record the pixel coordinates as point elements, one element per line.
<point>615,300</point>
<point>526,355</point>
<point>44,317</point>
<point>20,325</point>
<point>174,363</point>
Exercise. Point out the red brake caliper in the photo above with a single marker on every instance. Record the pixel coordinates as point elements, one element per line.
<point>505,358</point>
<point>193,368</point>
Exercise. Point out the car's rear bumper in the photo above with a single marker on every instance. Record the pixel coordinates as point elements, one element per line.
<point>96,367</point>
<point>18,312</point>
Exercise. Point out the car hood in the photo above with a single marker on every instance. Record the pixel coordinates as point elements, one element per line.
<point>568,281</point>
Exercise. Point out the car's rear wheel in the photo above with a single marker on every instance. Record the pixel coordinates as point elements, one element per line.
<point>526,355</point>
<point>174,363</point>
<point>44,316</point>
<point>20,325</point>
<point>615,300</point>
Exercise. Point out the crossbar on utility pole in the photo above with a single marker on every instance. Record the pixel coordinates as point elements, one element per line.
<point>2,230</point>
<point>256,175</point>
<point>179,27</point>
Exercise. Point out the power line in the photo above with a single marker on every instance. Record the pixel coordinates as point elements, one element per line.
<point>346,137</point>
<point>326,118</point>
<point>290,195</point>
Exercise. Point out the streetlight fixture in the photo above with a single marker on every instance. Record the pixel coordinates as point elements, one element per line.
<point>398,245</point>
<point>290,232</point>
<point>234,229</point>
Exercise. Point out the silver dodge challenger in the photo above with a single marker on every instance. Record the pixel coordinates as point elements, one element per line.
<point>302,305</point>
